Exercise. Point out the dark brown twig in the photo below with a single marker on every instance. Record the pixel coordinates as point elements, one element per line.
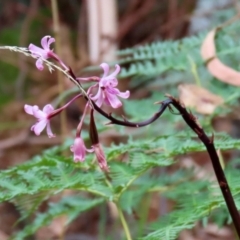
<point>127,123</point>
<point>207,141</point>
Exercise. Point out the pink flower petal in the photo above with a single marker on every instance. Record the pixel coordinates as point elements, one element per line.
<point>39,64</point>
<point>115,73</point>
<point>106,82</point>
<point>111,90</point>
<point>99,101</point>
<point>48,109</point>
<point>107,91</point>
<point>49,131</point>
<point>38,127</point>
<point>43,118</point>
<point>44,42</point>
<point>37,113</point>
<point>43,52</point>
<point>124,94</point>
<point>98,97</point>
<point>35,50</point>
<point>78,149</point>
<point>113,100</point>
<point>28,109</point>
<point>105,68</point>
<point>50,41</point>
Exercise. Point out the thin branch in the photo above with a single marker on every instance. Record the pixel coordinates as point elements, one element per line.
<point>208,142</point>
<point>127,123</point>
<point>191,121</point>
<point>124,223</point>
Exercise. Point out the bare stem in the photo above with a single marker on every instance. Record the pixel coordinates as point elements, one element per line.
<point>124,223</point>
<point>208,142</point>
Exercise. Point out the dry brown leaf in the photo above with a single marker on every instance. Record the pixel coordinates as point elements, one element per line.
<point>215,66</point>
<point>202,100</point>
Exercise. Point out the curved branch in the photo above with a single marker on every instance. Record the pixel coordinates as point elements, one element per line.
<point>126,123</point>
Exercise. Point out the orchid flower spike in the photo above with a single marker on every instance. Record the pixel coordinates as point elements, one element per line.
<point>42,53</point>
<point>43,117</point>
<point>79,150</point>
<point>107,91</point>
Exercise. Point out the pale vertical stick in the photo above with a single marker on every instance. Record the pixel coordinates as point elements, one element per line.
<point>93,30</point>
<point>102,30</point>
<point>108,29</point>
<point>56,29</point>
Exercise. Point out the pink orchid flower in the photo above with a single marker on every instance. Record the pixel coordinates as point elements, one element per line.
<point>107,91</point>
<point>79,150</point>
<point>43,117</point>
<point>42,53</point>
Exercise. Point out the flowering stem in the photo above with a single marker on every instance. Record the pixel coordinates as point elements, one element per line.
<point>124,223</point>
<point>79,127</point>
<point>57,111</point>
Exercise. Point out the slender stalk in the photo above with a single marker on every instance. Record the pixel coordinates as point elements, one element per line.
<point>208,142</point>
<point>56,28</point>
<point>124,223</point>
<point>127,123</point>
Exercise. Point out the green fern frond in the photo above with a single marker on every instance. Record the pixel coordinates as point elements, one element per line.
<point>70,206</point>
<point>200,199</point>
<point>159,57</point>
